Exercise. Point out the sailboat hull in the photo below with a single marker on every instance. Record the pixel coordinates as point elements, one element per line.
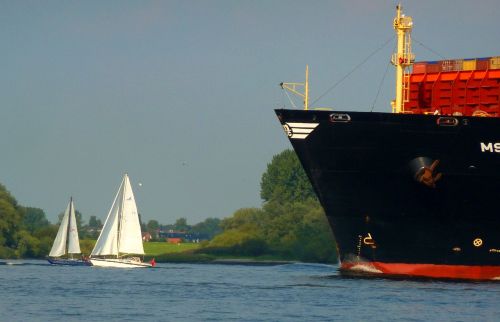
<point>69,262</point>
<point>118,263</point>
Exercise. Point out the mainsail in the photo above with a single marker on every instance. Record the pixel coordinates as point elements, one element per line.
<point>121,233</point>
<point>67,235</point>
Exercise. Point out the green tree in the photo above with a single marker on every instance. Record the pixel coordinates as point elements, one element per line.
<point>34,218</point>
<point>28,246</point>
<point>153,227</point>
<point>46,236</point>
<point>209,227</point>
<point>248,220</point>
<point>181,224</point>
<point>19,229</point>
<point>11,219</point>
<point>300,230</point>
<point>236,242</point>
<point>285,179</point>
<point>92,229</point>
<point>243,234</point>
<point>94,222</point>
<point>87,245</point>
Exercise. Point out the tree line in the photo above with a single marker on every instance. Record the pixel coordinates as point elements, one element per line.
<point>25,232</point>
<point>207,228</point>
<point>290,224</point>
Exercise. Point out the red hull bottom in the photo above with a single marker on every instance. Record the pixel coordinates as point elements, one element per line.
<point>423,270</point>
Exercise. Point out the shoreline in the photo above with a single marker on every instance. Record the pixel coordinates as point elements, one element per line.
<point>222,261</point>
<point>251,262</point>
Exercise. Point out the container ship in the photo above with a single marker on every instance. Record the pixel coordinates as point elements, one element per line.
<point>411,193</point>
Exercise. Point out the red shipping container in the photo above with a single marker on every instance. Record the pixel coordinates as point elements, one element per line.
<point>482,64</point>
<point>419,68</point>
<point>464,92</point>
<point>433,68</point>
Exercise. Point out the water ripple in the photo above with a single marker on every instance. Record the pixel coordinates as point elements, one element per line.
<point>36,291</point>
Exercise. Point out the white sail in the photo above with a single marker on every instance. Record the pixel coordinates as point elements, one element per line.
<point>121,234</point>
<point>130,228</point>
<point>59,245</point>
<point>107,243</point>
<point>73,241</point>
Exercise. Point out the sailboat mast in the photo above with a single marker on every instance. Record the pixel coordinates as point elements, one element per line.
<point>68,227</point>
<point>120,216</point>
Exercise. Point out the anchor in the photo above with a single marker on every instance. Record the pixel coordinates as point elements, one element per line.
<point>425,173</point>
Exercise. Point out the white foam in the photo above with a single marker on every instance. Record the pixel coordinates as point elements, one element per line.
<point>365,268</point>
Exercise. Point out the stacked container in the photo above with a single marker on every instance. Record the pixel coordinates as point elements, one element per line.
<point>482,63</point>
<point>468,87</point>
<point>495,62</point>
<point>469,64</point>
<point>456,65</point>
<point>433,67</point>
<point>451,65</point>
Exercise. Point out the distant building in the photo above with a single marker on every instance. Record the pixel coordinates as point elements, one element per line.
<point>146,236</point>
<point>185,236</point>
<point>174,240</point>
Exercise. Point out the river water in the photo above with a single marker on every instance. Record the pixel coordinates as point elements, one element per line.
<point>36,291</point>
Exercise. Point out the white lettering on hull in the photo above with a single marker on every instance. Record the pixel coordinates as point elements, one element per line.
<point>490,147</point>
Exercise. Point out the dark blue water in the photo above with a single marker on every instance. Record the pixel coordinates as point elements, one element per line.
<point>34,291</point>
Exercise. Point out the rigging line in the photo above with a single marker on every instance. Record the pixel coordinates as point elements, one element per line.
<point>381,82</point>
<point>353,70</point>
<point>290,99</point>
<point>380,86</point>
<point>283,100</point>
<point>428,48</point>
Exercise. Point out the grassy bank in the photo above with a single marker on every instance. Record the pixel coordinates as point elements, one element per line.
<point>164,252</point>
<point>159,248</point>
<point>175,253</point>
<point>192,253</point>
<point>150,248</point>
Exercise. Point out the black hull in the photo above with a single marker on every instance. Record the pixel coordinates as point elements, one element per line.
<point>365,170</point>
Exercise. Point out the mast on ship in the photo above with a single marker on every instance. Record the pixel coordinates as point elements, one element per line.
<point>402,59</point>
<point>295,89</point>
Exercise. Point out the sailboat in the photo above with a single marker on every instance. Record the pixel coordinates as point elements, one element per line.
<point>66,241</point>
<point>120,240</point>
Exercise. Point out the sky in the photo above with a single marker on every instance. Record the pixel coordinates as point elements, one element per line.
<point>180,94</point>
